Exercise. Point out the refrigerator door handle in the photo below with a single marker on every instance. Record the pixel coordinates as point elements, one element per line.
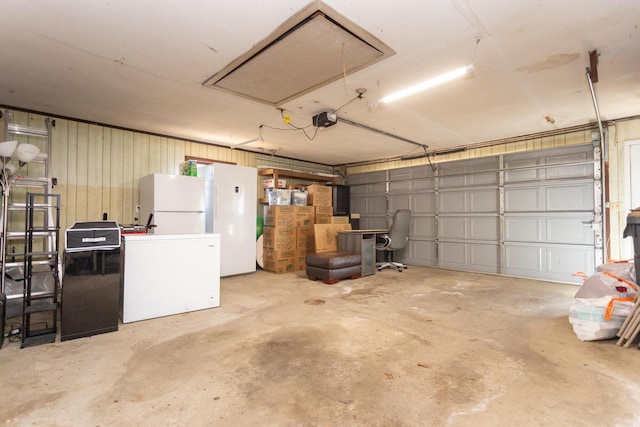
<point>217,203</point>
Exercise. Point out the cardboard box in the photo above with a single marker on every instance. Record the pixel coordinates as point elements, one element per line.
<point>323,214</point>
<point>339,220</point>
<point>279,261</point>
<point>319,195</point>
<point>326,236</point>
<point>304,239</point>
<point>300,259</point>
<point>305,216</point>
<point>279,238</point>
<point>270,183</point>
<point>279,216</point>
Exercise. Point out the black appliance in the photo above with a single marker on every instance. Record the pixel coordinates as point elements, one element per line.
<point>91,280</point>
<point>340,200</point>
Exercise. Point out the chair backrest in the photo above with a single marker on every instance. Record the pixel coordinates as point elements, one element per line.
<point>399,230</point>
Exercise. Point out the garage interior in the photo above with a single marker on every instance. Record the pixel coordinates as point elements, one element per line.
<point>517,158</point>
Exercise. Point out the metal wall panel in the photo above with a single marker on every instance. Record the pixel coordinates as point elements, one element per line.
<point>560,228</point>
<point>550,208</point>
<point>549,262</point>
<point>527,214</point>
<point>481,257</point>
<point>368,194</point>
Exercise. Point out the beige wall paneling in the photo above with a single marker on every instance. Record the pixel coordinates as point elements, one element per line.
<point>82,173</point>
<point>155,155</point>
<point>128,173</point>
<point>141,167</point>
<point>72,165</point>
<point>95,165</point>
<point>106,174</point>
<point>116,176</point>
<point>58,164</point>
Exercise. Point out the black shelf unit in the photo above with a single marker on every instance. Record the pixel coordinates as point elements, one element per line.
<point>41,263</point>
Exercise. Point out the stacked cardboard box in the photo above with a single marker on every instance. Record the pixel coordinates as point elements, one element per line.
<point>289,231</point>
<point>279,239</point>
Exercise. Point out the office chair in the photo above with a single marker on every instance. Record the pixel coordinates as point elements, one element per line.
<point>394,240</point>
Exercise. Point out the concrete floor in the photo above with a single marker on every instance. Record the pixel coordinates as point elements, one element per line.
<point>425,347</point>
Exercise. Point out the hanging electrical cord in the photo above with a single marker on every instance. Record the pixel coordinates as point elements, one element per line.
<point>292,127</point>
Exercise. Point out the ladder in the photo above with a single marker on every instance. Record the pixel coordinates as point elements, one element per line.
<point>15,213</point>
<point>41,266</point>
<point>36,174</point>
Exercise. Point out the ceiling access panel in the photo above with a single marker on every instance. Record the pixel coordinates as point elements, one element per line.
<point>315,47</point>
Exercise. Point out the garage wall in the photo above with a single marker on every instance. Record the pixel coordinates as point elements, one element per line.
<point>530,214</point>
<point>618,131</point>
<point>98,167</point>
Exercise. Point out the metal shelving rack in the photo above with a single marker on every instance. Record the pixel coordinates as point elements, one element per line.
<point>44,263</point>
<point>15,226</point>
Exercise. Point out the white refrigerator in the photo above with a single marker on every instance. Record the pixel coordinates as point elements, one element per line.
<point>177,203</point>
<point>231,211</point>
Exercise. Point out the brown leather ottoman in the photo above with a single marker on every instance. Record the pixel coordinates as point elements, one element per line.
<point>330,267</point>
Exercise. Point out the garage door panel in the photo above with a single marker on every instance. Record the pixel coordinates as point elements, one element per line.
<point>469,256</point>
<point>550,229</point>
<point>549,198</point>
<point>484,201</point>
<point>374,222</point>
<point>452,227</point>
<point>526,259</point>
<point>366,178</point>
<point>400,186</point>
<point>424,185</point>
<point>424,227</point>
<point>422,253</point>
<point>483,228</point>
<point>566,261</point>
<point>424,203</point>
<point>376,205</point>
<point>399,201</point>
<point>523,229</point>
<point>534,218</point>
<point>525,199</point>
<point>484,257</point>
<point>451,254</point>
<point>549,263</point>
<point>452,202</point>
<point>570,197</point>
<point>358,205</point>
<point>570,230</point>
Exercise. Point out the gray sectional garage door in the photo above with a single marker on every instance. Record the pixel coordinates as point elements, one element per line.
<point>533,214</point>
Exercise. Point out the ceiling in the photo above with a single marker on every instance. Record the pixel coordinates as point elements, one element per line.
<point>142,65</point>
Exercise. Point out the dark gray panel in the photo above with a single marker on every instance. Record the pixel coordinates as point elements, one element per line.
<point>399,201</point>
<point>367,178</point>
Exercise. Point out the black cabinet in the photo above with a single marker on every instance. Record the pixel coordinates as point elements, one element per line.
<point>90,293</point>
<point>341,205</point>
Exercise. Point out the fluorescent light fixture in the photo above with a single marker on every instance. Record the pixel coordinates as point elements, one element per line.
<point>427,84</point>
<point>247,142</point>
